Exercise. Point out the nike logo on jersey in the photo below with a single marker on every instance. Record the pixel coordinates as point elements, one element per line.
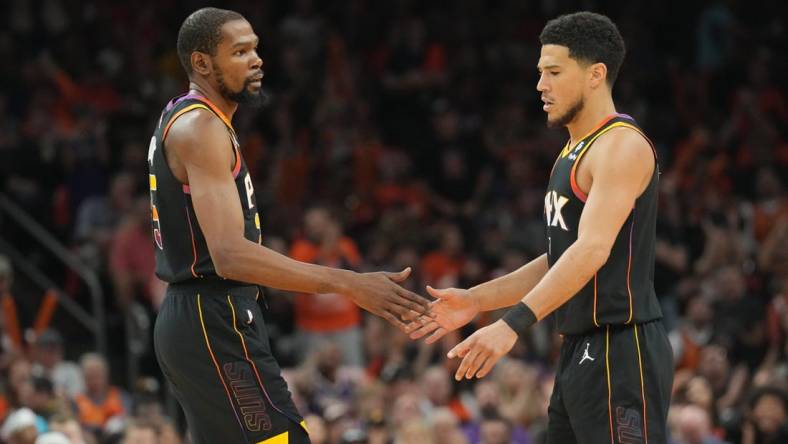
<point>249,316</point>
<point>553,204</point>
<point>586,356</point>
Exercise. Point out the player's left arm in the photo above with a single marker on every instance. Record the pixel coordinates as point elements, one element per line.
<point>621,165</point>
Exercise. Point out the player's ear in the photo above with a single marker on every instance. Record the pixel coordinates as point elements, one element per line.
<point>597,73</point>
<point>201,63</point>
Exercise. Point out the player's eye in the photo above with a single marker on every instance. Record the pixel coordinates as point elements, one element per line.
<point>240,52</point>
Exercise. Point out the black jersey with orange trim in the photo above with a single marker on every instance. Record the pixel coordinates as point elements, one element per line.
<point>181,250</point>
<point>622,291</point>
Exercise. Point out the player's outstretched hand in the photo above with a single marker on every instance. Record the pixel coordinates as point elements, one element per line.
<point>453,308</point>
<point>380,294</point>
<point>481,350</point>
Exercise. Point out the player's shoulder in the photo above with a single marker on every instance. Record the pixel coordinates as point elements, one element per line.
<point>622,149</point>
<point>195,125</point>
<point>626,139</point>
<point>625,145</point>
<point>199,137</point>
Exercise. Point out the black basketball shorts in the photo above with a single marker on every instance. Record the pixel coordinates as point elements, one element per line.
<point>612,385</point>
<point>212,346</point>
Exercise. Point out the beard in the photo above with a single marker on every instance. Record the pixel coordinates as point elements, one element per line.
<point>568,116</point>
<point>244,96</point>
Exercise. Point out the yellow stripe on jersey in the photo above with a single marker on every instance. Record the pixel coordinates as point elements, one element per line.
<point>180,113</point>
<point>152,181</point>
<point>281,438</point>
<point>565,152</point>
<point>606,129</point>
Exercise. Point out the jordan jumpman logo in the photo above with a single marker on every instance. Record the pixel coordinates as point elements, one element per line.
<point>585,355</point>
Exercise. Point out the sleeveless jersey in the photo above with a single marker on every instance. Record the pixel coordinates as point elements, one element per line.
<point>622,291</point>
<point>181,250</point>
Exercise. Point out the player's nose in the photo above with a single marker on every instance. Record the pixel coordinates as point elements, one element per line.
<point>541,85</point>
<point>257,62</point>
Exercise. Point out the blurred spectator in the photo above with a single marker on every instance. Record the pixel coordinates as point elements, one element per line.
<point>325,381</point>
<point>441,268</point>
<point>768,420</point>
<point>148,408</point>
<point>694,426</point>
<point>140,432</point>
<point>98,216</point>
<point>437,388</point>
<point>694,332</point>
<point>47,353</point>
<point>68,426</point>
<point>20,427</point>
<point>52,438</point>
<point>327,316</point>
<point>495,430</point>
<point>727,384</point>
<point>456,165</point>
<point>317,429</point>
<point>43,401</point>
<point>772,256</point>
<point>131,261</point>
<point>10,333</point>
<point>101,401</point>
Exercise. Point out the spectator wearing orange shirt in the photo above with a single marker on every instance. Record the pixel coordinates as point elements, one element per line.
<point>443,266</point>
<point>101,401</point>
<point>327,316</point>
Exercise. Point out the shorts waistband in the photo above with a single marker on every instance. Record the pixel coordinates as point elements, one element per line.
<point>613,328</point>
<point>212,284</point>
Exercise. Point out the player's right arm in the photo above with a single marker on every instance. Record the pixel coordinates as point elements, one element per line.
<point>456,307</point>
<point>200,146</point>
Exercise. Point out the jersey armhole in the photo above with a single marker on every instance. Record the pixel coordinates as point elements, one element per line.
<point>579,193</point>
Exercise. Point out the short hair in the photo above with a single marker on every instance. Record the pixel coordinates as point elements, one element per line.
<point>91,358</point>
<point>590,37</point>
<point>761,392</point>
<point>202,31</point>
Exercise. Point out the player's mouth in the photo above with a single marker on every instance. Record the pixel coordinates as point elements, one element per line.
<point>256,80</point>
<point>548,104</point>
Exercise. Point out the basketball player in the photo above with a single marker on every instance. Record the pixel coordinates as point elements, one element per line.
<point>210,339</point>
<point>615,370</point>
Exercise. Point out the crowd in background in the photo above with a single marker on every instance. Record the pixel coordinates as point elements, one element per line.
<point>398,133</point>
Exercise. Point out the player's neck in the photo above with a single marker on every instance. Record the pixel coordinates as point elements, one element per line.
<point>592,114</point>
<point>225,106</point>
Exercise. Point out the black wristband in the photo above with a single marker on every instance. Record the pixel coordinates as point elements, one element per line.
<point>519,318</point>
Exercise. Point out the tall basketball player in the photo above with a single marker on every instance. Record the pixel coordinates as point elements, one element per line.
<point>210,339</point>
<point>615,370</point>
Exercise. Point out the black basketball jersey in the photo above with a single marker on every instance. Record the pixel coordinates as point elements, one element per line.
<point>181,251</point>
<point>622,291</point>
